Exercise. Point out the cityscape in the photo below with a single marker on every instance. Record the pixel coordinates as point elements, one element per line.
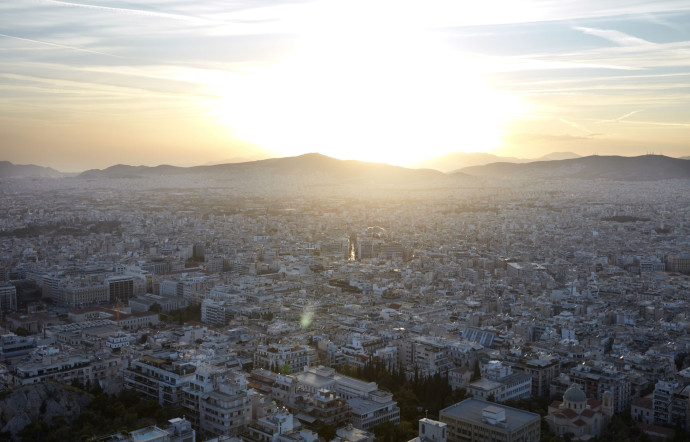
<point>331,305</point>
<point>344,221</point>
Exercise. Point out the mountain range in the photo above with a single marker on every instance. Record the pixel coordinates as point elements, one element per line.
<point>9,170</point>
<point>615,168</point>
<point>457,160</point>
<point>317,168</point>
<point>312,165</point>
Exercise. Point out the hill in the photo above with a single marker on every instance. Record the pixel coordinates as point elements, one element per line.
<point>46,402</point>
<point>312,166</point>
<point>554,156</point>
<point>458,160</point>
<point>9,170</point>
<point>615,168</point>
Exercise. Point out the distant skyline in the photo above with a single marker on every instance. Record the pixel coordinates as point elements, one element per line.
<point>89,84</point>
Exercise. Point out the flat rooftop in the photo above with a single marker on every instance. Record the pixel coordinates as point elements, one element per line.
<point>471,410</point>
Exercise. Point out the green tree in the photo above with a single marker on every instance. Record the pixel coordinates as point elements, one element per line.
<point>21,331</point>
<point>327,432</point>
<point>477,372</point>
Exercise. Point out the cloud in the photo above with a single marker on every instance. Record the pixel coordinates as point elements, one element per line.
<point>575,125</point>
<point>74,48</point>
<point>621,118</point>
<point>143,12</point>
<point>614,36</point>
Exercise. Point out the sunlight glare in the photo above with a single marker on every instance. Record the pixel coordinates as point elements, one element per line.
<point>367,84</point>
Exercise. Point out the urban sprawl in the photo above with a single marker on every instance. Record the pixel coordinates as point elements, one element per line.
<point>293,315</point>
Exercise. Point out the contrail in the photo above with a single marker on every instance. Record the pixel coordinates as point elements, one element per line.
<point>128,10</point>
<point>74,48</point>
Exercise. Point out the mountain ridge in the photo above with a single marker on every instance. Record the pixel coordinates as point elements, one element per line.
<point>455,161</point>
<point>311,164</point>
<point>615,168</point>
<point>10,170</point>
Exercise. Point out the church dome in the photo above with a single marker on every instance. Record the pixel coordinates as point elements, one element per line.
<point>574,394</point>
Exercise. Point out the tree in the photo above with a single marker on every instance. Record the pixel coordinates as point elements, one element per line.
<point>327,432</point>
<point>477,375</point>
<point>21,331</point>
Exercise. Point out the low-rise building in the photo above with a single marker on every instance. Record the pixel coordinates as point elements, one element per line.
<point>292,358</point>
<point>478,420</point>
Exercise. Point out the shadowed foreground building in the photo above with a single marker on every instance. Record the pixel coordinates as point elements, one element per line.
<point>477,420</point>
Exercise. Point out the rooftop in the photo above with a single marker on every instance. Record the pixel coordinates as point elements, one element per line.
<point>472,410</point>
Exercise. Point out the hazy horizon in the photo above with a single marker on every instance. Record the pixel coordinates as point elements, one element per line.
<point>191,83</point>
<point>416,165</point>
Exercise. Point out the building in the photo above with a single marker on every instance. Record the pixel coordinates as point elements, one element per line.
<point>180,430</point>
<point>323,407</point>
<point>594,380</point>
<point>542,371</point>
<point>478,420</point>
<point>425,355</point>
<point>161,377</point>
<point>118,340</point>
<point>579,416</point>
<point>80,294</point>
<point>369,405</point>
<point>500,384</point>
<point>215,312</point>
<point>349,433</point>
<point>378,408</point>
<point>678,263</point>
<point>8,298</point>
<point>217,402</point>
<point>459,377</point>
<point>167,303</point>
<point>278,426</point>
<point>670,404</point>
<point>120,288</point>
<point>65,368</point>
<point>432,431</point>
<point>279,357</point>
<point>642,410</point>
<point>12,345</point>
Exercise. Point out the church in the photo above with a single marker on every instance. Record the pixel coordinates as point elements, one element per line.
<point>582,418</point>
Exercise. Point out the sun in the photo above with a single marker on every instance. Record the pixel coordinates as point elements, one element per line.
<point>368,85</point>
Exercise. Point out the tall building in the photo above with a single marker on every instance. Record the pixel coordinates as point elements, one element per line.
<point>478,421</point>
<point>120,288</point>
<point>678,263</point>
<point>8,298</point>
<point>216,401</point>
<point>670,404</point>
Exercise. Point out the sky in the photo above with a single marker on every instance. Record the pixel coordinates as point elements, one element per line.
<point>93,83</point>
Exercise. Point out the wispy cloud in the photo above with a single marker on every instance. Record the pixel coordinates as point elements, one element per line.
<point>575,125</point>
<point>621,118</point>
<point>57,45</point>
<point>120,10</point>
<point>614,36</point>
